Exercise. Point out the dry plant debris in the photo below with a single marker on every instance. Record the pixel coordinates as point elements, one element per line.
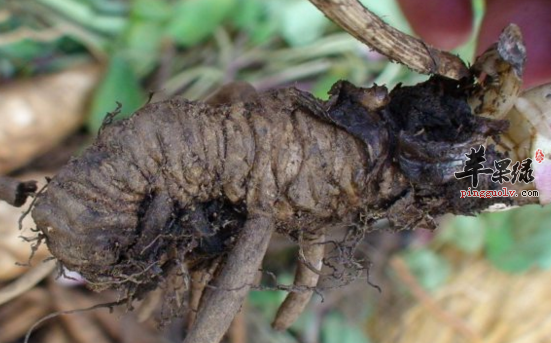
<point>479,304</point>
<point>14,250</point>
<point>102,325</point>
<point>38,113</point>
<point>184,187</point>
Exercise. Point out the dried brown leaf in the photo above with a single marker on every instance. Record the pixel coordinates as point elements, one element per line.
<point>36,114</point>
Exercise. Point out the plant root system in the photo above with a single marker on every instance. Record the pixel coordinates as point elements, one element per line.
<point>180,184</point>
<point>186,188</point>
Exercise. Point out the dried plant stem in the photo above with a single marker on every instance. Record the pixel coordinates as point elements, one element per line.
<point>26,281</point>
<point>396,45</point>
<point>82,329</point>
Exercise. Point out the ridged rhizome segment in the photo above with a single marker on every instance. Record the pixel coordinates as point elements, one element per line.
<point>138,197</point>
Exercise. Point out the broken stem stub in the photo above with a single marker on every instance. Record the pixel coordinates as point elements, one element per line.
<point>15,192</point>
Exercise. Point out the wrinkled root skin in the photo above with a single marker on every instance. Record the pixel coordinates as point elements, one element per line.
<point>185,182</point>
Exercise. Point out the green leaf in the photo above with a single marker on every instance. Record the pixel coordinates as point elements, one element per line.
<point>195,20</point>
<point>24,51</point>
<point>302,23</point>
<point>336,329</point>
<point>268,301</point>
<point>323,85</point>
<point>257,19</point>
<point>112,7</point>
<point>144,35</point>
<point>250,13</point>
<point>500,250</point>
<point>521,240</point>
<point>152,10</point>
<point>84,14</point>
<point>466,233</point>
<point>119,84</point>
<point>143,45</point>
<point>430,269</point>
